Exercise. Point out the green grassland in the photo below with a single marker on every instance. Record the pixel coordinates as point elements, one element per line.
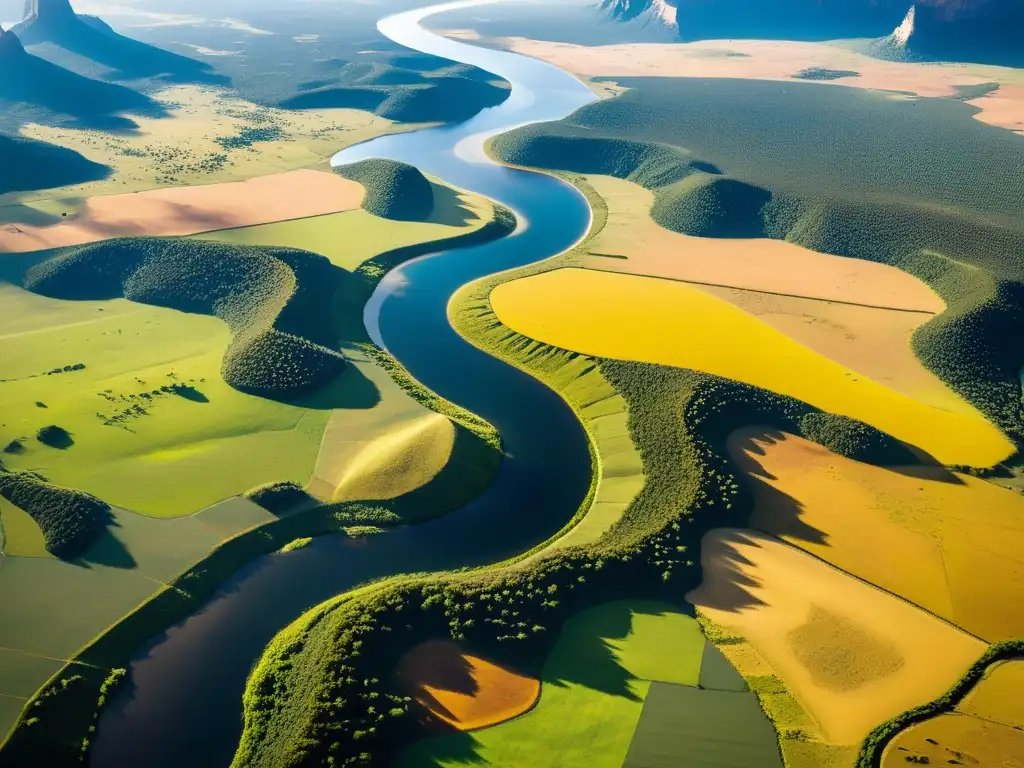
<point>919,184</point>
<point>710,727</point>
<point>177,457</point>
<point>593,687</point>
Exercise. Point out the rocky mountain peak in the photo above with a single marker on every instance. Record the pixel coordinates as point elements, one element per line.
<point>10,45</point>
<point>48,10</point>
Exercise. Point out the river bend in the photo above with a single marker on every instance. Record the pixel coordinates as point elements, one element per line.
<point>183,703</point>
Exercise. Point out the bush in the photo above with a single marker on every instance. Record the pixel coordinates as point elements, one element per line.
<point>70,520</point>
<point>55,437</point>
<point>281,498</point>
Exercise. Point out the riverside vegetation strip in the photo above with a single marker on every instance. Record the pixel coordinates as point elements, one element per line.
<point>55,725</point>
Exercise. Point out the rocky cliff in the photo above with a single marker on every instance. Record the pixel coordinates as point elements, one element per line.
<point>988,31</point>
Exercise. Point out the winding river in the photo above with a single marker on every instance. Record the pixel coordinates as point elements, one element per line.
<point>183,704</point>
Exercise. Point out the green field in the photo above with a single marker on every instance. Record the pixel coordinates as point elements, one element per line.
<point>593,688</point>
<point>710,728</point>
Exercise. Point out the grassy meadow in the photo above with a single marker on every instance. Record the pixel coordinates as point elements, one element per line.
<point>593,687</point>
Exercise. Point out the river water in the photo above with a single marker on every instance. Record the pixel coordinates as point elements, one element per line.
<point>182,706</point>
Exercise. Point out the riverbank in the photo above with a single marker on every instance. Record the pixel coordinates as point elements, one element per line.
<point>57,723</point>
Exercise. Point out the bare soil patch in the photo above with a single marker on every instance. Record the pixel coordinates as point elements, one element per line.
<point>462,690</point>
<point>190,210</point>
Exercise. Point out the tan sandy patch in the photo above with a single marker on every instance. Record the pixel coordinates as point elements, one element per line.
<point>780,60</point>
<point>956,737</point>
<point>874,342</point>
<point>190,210</point>
<point>1004,108</point>
<point>950,543</point>
<point>464,691</point>
<point>999,696</point>
<point>773,266</point>
<point>853,656</point>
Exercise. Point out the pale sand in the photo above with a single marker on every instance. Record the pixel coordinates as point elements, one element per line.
<point>853,656</point>
<point>774,266</point>
<point>999,697</point>
<point>189,210</point>
<point>1004,108</point>
<point>950,543</point>
<point>780,60</point>
<point>464,691</point>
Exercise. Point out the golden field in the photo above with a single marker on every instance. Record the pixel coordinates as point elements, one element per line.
<point>651,320</point>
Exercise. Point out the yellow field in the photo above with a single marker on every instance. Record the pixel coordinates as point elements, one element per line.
<point>852,655</point>
<point>464,691</point>
<point>999,697</point>
<point>950,543</point>
<point>965,739</point>
<point>662,321</point>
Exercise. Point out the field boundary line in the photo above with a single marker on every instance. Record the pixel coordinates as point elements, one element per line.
<point>767,293</point>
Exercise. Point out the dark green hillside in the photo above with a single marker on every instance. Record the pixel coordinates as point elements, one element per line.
<point>919,184</point>
<point>277,301</point>
<point>26,165</point>
<point>70,520</point>
<point>435,99</point>
<point>393,190</point>
<point>784,137</point>
<point>87,37</point>
<point>27,82</point>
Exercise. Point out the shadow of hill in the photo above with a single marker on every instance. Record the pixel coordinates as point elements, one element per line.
<point>585,654</point>
<point>30,165</point>
<point>29,79</point>
<point>94,40</point>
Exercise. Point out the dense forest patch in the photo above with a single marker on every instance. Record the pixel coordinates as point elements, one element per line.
<point>394,190</point>
<point>70,520</point>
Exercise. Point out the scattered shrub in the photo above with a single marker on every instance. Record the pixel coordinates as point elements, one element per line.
<point>55,437</point>
<point>70,520</point>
